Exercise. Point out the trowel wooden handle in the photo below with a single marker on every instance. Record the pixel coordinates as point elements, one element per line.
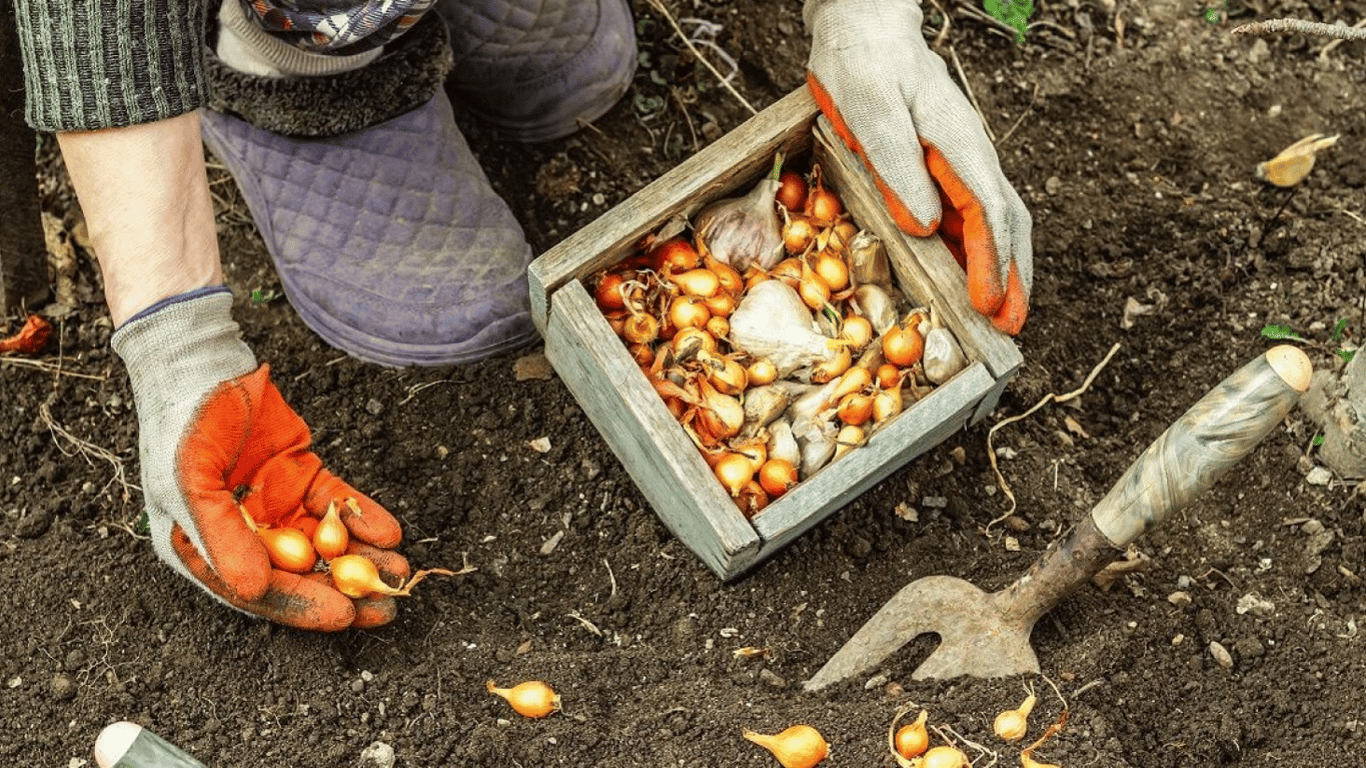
<point>1195,451</point>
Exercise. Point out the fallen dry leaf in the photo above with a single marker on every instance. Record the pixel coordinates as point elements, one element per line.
<point>1295,161</point>
<point>533,366</point>
<point>1074,427</point>
<point>1132,311</point>
<point>30,339</point>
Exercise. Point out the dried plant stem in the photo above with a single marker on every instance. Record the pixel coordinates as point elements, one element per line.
<point>1048,398</point>
<point>85,448</point>
<point>658,5</point>
<point>1317,29</point>
<point>967,87</point>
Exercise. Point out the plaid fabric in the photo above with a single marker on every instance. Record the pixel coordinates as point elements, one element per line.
<point>341,27</point>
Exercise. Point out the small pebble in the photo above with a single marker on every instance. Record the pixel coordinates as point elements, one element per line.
<point>935,502</point>
<point>772,679</point>
<point>1179,599</point>
<point>1053,186</point>
<point>1319,476</point>
<point>375,408</point>
<point>63,687</point>
<point>876,681</point>
<point>377,755</point>
<point>1312,527</point>
<point>1221,655</point>
<point>1017,524</point>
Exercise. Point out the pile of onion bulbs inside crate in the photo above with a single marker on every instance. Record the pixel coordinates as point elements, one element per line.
<point>774,334</point>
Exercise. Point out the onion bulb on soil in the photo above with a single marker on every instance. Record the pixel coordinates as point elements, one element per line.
<point>800,746</point>
<point>289,549</point>
<point>911,739</point>
<point>1012,724</point>
<point>530,699</point>
<point>331,537</point>
<point>944,757</point>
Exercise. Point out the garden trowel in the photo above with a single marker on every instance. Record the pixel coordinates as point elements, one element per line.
<point>987,634</point>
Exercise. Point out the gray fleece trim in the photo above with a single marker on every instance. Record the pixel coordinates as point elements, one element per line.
<point>412,68</point>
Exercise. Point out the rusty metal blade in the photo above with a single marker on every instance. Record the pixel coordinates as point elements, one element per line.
<point>973,638</point>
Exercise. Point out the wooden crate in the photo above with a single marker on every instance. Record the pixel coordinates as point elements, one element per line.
<point>633,420</point>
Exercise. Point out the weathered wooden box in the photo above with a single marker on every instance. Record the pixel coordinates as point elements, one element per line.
<point>619,400</point>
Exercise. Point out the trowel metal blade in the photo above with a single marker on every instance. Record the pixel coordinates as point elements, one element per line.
<point>974,640</point>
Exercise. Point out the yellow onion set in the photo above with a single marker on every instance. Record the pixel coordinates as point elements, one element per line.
<point>773,333</point>
<point>301,544</point>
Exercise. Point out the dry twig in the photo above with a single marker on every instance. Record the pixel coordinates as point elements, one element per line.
<point>1315,28</point>
<point>658,5</point>
<point>44,365</point>
<point>1048,398</point>
<point>971,96</point>
<point>84,448</point>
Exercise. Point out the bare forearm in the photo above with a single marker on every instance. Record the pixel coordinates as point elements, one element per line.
<point>146,200</point>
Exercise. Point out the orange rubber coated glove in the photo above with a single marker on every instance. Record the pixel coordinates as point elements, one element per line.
<point>892,101</point>
<point>213,432</point>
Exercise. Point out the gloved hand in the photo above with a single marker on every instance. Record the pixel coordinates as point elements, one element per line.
<point>214,430</point>
<point>877,81</point>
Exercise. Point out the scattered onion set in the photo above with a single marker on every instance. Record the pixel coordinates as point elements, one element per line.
<point>779,297</point>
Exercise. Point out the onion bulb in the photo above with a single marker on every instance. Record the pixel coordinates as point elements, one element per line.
<point>530,699</point>
<point>889,376</point>
<point>356,576</point>
<point>800,746</point>
<point>1012,724</point>
<point>289,549</point>
<point>697,282</point>
<point>331,537</point>
<point>688,312</point>
<point>832,270</point>
<point>903,346</point>
<point>848,438</point>
<point>734,470</point>
<point>857,330</point>
<point>792,193</point>
<point>752,499</point>
<point>776,476</point>
<point>823,206</point>
<point>813,289</point>
<point>832,368</point>
<point>798,235</point>
<point>762,371</point>
<point>944,757</point>
<point>855,409</point>
<point>886,404</point>
<point>722,304</point>
<point>677,254</point>
<point>729,278</point>
<point>640,328</point>
<point>689,341</point>
<point>608,292</point>
<point>912,739</point>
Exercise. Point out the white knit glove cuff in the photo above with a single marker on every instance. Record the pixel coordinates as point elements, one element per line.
<point>246,47</point>
<point>860,17</point>
<point>176,355</point>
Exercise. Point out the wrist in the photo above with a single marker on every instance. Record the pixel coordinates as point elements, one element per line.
<point>868,19</point>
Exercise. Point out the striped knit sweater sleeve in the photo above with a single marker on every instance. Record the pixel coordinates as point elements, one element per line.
<point>92,64</point>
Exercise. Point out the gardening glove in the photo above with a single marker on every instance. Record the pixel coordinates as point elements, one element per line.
<point>213,431</point>
<point>874,77</point>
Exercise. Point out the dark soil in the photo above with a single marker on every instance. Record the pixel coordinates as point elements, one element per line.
<point>1136,158</point>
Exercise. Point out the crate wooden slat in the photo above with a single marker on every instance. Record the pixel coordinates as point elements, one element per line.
<point>639,429</point>
<point>918,429</point>
<point>738,158</point>
<point>660,458</point>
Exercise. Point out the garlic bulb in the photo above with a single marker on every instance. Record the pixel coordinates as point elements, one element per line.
<point>782,444</point>
<point>772,322</point>
<point>943,357</point>
<point>741,231</point>
<point>868,264</point>
<point>875,303</point>
<point>764,404</point>
<point>817,440</point>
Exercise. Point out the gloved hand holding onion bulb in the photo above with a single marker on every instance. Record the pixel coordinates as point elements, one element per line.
<point>775,335</point>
